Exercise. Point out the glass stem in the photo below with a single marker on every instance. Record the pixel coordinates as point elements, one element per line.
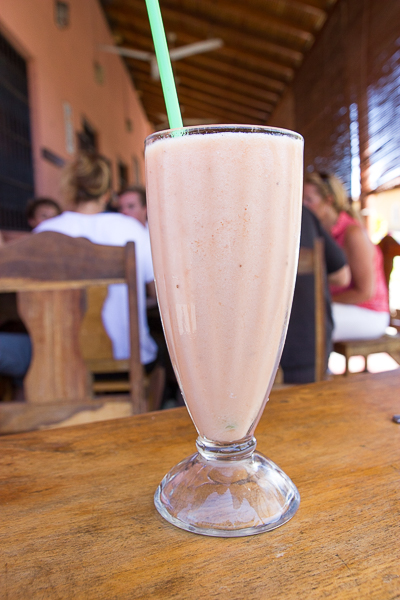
<point>239,450</point>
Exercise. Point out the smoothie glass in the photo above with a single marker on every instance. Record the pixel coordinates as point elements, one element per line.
<point>224,205</point>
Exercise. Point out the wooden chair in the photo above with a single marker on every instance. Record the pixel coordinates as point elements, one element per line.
<point>50,273</point>
<point>97,353</point>
<point>386,343</point>
<point>312,262</point>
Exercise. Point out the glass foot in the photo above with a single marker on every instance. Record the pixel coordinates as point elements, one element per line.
<point>227,491</point>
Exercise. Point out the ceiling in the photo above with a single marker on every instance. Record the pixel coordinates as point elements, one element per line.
<point>264,43</point>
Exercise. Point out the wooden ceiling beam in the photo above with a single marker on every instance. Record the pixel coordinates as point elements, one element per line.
<point>264,42</point>
<point>152,94</point>
<point>189,121</point>
<point>324,5</point>
<point>225,54</point>
<point>224,70</point>
<point>180,22</point>
<point>215,91</point>
<point>227,84</point>
<point>257,115</point>
<point>218,106</point>
<point>295,11</point>
<point>195,111</point>
<point>243,17</point>
<point>248,68</point>
<point>238,99</point>
<point>240,73</point>
<point>141,71</point>
<point>222,103</point>
<point>234,55</point>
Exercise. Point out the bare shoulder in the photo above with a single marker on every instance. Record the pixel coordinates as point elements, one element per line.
<point>356,233</point>
<point>356,239</point>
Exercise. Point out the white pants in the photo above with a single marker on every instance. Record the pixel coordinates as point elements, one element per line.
<point>353,322</point>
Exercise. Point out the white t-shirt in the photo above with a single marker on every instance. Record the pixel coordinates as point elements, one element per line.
<point>113,229</point>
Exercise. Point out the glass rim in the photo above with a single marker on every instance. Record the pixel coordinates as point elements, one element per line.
<point>224,128</point>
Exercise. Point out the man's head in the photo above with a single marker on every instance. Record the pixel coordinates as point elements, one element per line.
<point>41,209</point>
<point>132,203</point>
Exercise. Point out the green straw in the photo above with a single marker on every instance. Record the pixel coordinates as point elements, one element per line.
<point>164,64</point>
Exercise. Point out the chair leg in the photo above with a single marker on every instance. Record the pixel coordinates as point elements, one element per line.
<point>395,355</point>
<point>156,387</point>
<point>346,371</point>
<point>6,389</point>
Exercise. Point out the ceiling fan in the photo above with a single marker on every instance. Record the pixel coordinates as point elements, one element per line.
<point>175,53</point>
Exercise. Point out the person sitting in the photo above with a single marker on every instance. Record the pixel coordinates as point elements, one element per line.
<point>40,209</point>
<point>298,356</point>
<point>15,356</point>
<point>132,203</point>
<point>15,346</point>
<point>360,309</point>
<point>86,185</point>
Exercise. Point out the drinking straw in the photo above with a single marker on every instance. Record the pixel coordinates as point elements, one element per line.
<point>164,64</point>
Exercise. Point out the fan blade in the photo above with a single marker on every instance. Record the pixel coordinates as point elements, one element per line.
<point>138,54</point>
<point>196,48</point>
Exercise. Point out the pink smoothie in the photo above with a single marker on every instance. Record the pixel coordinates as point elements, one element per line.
<point>224,217</point>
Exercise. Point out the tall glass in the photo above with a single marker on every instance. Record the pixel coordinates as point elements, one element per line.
<point>224,205</point>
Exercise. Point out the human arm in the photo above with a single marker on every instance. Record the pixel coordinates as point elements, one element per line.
<point>338,272</point>
<point>359,252</point>
<point>341,277</point>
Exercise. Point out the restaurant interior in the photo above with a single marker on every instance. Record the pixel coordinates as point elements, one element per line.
<point>82,77</point>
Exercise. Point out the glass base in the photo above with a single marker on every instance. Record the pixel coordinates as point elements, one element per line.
<point>227,491</point>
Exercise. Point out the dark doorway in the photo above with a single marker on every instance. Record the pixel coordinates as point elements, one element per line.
<point>16,168</point>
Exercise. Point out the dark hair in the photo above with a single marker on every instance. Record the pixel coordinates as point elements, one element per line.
<point>88,177</point>
<point>135,189</point>
<point>34,204</point>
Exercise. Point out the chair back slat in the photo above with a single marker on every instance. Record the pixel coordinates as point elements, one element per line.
<point>311,262</point>
<point>390,249</point>
<point>58,257</point>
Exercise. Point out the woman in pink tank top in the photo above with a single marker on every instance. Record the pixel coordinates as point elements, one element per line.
<point>361,310</point>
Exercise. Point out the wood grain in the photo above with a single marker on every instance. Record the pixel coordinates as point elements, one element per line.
<point>78,520</point>
<point>94,341</point>
<point>58,257</point>
<point>26,416</point>
<point>57,371</point>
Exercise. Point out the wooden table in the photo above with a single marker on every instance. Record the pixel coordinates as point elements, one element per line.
<point>78,520</point>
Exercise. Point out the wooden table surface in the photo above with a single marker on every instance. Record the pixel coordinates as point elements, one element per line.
<point>78,520</point>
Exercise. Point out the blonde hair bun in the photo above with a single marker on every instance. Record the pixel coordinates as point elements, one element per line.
<point>88,177</point>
